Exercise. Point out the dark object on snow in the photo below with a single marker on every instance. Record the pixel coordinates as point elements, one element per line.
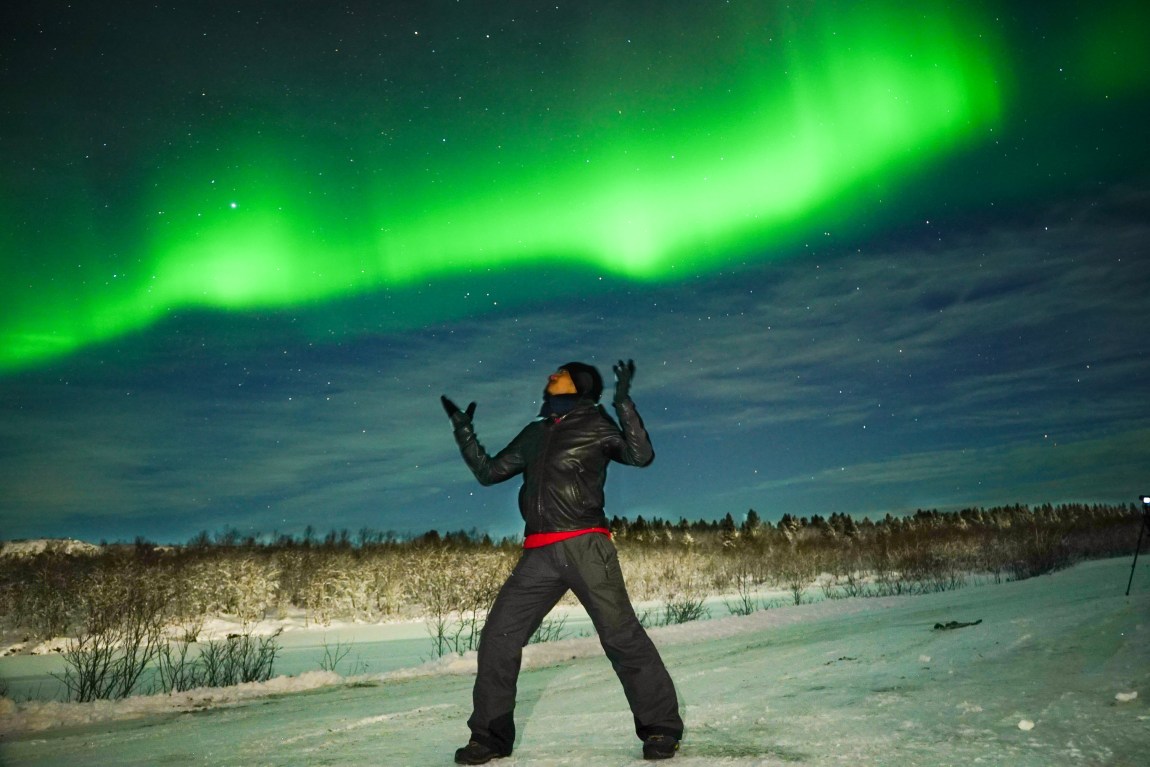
<point>660,747</point>
<point>1145,526</point>
<point>955,625</point>
<point>477,753</point>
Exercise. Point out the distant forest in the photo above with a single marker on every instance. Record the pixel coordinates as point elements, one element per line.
<point>679,566</point>
<point>751,530</point>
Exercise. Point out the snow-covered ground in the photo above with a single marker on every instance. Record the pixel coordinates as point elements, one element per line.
<point>1056,673</point>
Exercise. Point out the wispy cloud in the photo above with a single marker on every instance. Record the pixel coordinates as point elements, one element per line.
<point>1005,365</point>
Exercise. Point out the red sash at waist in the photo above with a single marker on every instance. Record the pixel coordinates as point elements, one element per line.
<point>535,540</point>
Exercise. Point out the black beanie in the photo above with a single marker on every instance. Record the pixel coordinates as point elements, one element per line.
<point>588,382</point>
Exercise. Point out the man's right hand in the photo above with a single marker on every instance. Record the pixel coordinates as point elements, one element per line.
<point>457,416</point>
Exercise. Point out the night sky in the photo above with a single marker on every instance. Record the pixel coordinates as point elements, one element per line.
<point>867,257</point>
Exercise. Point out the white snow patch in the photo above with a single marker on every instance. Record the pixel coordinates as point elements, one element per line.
<point>39,546</point>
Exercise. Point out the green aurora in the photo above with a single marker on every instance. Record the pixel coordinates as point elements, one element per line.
<point>641,158</point>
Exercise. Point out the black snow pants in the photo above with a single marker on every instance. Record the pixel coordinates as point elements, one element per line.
<point>588,565</point>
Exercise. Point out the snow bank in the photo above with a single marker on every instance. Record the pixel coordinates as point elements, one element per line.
<point>39,546</point>
<point>43,715</point>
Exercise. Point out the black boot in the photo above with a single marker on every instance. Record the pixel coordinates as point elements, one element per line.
<point>660,747</point>
<point>477,753</point>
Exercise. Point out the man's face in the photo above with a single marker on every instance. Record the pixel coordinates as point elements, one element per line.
<point>560,383</point>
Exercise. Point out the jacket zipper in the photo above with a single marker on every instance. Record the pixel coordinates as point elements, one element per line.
<point>544,454</point>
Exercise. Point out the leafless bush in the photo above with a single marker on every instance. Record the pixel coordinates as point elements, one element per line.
<point>550,630</point>
<point>796,568</point>
<point>457,590</point>
<point>237,659</point>
<point>334,589</point>
<point>124,611</point>
<point>176,670</point>
<point>686,588</point>
<point>746,602</point>
<point>39,594</point>
<point>1039,550</point>
<point>683,608</point>
<point>846,586</point>
<point>923,568</point>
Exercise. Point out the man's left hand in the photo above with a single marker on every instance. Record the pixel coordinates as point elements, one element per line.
<point>624,372</point>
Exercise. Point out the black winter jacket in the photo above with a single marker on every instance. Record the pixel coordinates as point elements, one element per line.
<point>563,462</point>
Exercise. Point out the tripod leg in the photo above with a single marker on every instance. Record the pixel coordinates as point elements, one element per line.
<point>1145,524</point>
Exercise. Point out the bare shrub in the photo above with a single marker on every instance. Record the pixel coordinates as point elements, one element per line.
<point>240,584</point>
<point>1037,551</point>
<point>457,589</point>
<point>920,567</point>
<point>237,659</point>
<point>796,569</point>
<point>124,609</point>
<point>644,569</point>
<point>552,629</point>
<point>854,586</point>
<point>686,607</point>
<point>40,594</point>
<point>334,589</point>
<point>176,670</point>
<point>333,658</point>
<point>745,602</point>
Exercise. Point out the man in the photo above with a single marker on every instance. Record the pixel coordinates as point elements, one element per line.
<point>563,457</point>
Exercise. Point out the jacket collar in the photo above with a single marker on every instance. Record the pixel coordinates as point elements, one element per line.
<point>559,407</point>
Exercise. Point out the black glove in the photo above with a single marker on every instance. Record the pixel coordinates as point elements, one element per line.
<point>624,372</point>
<point>456,415</point>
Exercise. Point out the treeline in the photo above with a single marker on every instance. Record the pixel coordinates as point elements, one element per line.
<point>751,528</point>
<point>334,540</point>
<point>838,525</point>
<point>372,576</point>
<point>926,551</point>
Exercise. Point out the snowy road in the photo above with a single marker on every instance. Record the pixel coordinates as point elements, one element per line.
<point>1057,673</point>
